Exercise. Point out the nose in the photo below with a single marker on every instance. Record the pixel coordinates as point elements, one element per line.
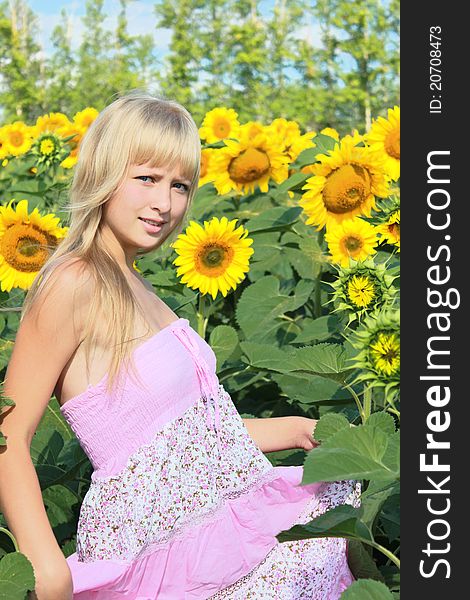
<point>161,197</point>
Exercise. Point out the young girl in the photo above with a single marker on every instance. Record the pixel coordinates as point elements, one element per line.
<point>183,504</point>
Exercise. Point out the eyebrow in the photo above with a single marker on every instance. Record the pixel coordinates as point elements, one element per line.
<point>152,173</point>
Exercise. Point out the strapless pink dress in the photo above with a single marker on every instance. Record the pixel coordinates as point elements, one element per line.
<point>182,503</point>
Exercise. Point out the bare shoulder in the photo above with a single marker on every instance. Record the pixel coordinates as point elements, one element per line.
<point>48,336</point>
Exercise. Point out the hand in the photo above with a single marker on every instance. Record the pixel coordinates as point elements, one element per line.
<point>305,429</point>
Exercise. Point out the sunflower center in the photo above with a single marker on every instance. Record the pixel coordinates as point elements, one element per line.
<point>221,128</point>
<point>249,166</point>
<point>346,188</point>
<point>16,138</point>
<point>46,147</point>
<point>385,353</point>
<point>394,229</point>
<point>352,244</point>
<point>361,290</point>
<point>392,144</point>
<point>25,248</point>
<point>214,259</point>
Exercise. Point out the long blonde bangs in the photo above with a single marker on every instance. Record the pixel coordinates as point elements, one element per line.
<point>135,129</point>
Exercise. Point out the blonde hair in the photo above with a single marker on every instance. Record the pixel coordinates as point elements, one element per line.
<point>135,129</point>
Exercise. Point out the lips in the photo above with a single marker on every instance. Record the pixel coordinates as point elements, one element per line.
<point>155,222</point>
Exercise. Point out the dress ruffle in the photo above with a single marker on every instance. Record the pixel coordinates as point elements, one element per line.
<point>211,555</point>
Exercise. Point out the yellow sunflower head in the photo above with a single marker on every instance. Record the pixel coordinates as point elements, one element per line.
<point>250,130</point>
<point>345,183</point>
<point>243,165</point>
<point>218,124</point>
<point>390,230</point>
<point>206,172</point>
<point>385,136</point>
<point>213,258</point>
<point>351,239</point>
<point>288,137</point>
<point>4,150</point>
<point>73,134</point>
<point>51,122</point>
<point>26,242</point>
<point>17,138</point>
<point>84,118</point>
<point>49,149</point>
<point>361,288</point>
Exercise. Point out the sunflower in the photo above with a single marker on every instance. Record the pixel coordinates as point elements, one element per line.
<point>73,143</point>
<point>84,118</point>
<point>4,151</point>
<point>289,137</point>
<point>206,173</point>
<point>330,132</point>
<point>241,165</point>
<point>378,343</point>
<point>26,242</point>
<point>250,130</point>
<point>49,149</point>
<point>51,122</point>
<point>362,288</point>
<point>18,138</point>
<point>213,258</point>
<point>218,124</point>
<point>354,238</point>
<point>385,135</point>
<point>390,230</point>
<point>344,184</point>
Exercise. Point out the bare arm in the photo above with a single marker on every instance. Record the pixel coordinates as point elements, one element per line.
<point>45,341</point>
<point>282,433</point>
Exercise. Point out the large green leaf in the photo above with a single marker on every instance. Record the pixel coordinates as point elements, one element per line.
<point>322,359</point>
<point>318,330</point>
<point>341,521</point>
<point>16,576</point>
<point>262,306</point>
<point>353,453</point>
<point>223,341</point>
<point>330,424</point>
<point>309,389</point>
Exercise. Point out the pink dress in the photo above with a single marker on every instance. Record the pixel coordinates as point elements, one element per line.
<point>182,503</point>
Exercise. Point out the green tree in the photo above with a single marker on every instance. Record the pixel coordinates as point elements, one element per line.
<point>22,93</point>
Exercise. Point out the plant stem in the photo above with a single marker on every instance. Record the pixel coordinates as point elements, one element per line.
<point>201,318</point>
<point>384,550</point>
<point>358,402</point>
<point>367,402</point>
<point>11,536</point>
<point>317,293</point>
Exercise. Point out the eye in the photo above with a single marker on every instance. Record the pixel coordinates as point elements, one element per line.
<point>146,178</point>
<point>184,188</point>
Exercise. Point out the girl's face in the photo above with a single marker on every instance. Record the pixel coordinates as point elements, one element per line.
<point>157,194</point>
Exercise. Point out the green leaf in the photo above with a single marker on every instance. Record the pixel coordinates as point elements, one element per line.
<point>16,576</point>
<point>317,330</point>
<point>261,308</point>
<point>352,453</point>
<point>361,563</point>
<point>367,589</point>
<point>382,420</point>
<point>329,424</point>
<point>223,341</point>
<point>273,219</point>
<point>321,359</point>
<point>309,389</point>
<point>341,521</point>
